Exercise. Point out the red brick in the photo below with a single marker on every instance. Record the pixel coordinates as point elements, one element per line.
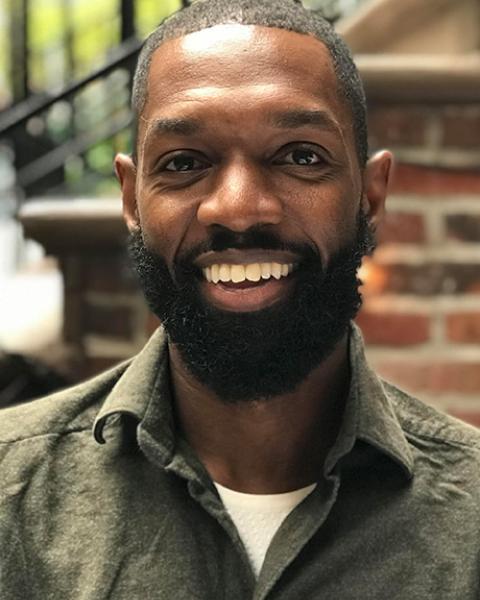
<point>433,377</point>
<point>112,321</point>
<point>73,306</point>
<point>464,228</point>
<point>109,274</point>
<point>463,327</point>
<point>470,416</point>
<point>413,179</point>
<point>397,125</point>
<point>402,228</point>
<point>393,329</point>
<point>424,280</point>
<point>461,128</point>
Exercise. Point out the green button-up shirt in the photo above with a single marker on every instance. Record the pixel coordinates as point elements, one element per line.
<point>129,513</point>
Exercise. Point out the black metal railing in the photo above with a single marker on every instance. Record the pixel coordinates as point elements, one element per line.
<point>69,137</point>
<point>44,132</point>
<point>21,112</point>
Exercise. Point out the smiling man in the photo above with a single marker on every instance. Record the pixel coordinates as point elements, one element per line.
<point>248,452</point>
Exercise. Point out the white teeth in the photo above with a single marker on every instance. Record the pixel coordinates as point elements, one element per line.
<point>251,272</point>
<point>276,270</point>
<point>266,270</point>
<point>215,274</point>
<point>224,273</point>
<point>238,273</point>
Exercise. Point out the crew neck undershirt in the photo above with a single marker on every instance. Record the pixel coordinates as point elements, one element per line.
<point>258,517</point>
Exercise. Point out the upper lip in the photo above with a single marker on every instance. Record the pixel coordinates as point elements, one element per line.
<point>244,257</point>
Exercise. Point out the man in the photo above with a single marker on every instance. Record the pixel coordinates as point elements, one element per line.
<point>248,452</point>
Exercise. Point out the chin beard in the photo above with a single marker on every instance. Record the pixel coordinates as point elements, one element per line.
<point>262,354</point>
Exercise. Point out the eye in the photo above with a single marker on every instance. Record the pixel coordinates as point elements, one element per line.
<point>301,157</point>
<point>183,163</point>
<point>304,157</point>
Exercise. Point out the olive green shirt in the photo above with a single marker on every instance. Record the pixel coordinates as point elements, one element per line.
<point>99,498</point>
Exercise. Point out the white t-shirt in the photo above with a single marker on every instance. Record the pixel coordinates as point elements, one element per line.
<point>258,517</point>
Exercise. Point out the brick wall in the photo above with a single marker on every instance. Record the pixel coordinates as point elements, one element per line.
<point>105,316</point>
<point>421,316</point>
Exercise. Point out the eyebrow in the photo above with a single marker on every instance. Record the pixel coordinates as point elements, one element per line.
<point>174,126</point>
<point>291,119</point>
<point>294,119</point>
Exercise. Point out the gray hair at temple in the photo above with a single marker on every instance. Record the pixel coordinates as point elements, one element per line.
<point>282,14</point>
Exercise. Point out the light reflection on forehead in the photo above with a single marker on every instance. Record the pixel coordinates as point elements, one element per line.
<point>213,38</point>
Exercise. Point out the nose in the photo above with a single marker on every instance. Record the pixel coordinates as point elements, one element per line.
<point>241,197</point>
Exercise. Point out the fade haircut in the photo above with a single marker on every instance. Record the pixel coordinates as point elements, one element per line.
<point>281,14</point>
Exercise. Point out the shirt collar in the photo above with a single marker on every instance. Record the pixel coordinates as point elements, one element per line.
<point>145,378</point>
<point>369,413</point>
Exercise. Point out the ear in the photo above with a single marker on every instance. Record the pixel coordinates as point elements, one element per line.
<point>375,185</point>
<point>127,176</point>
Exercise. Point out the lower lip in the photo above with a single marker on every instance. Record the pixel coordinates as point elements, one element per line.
<point>246,299</point>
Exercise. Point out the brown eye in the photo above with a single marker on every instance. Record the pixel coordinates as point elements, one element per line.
<point>183,163</point>
<point>302,157</point>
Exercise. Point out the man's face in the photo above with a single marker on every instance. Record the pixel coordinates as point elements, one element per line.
<point>247,190</point>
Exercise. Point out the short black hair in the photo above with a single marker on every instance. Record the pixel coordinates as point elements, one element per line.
<point>282,14</point>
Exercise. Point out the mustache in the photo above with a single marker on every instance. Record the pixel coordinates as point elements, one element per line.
<point>255,238</point>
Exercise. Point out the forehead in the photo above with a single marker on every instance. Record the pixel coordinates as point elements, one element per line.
<point>259,68</point>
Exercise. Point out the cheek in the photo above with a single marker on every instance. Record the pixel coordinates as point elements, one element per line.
<point>165,223</point>
<point>327,214</point>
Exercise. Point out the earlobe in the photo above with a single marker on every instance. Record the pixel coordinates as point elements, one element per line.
<point>127,176</point>
<point>376,178</point>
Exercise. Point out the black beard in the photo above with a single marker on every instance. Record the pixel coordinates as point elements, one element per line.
<point>261,354</point>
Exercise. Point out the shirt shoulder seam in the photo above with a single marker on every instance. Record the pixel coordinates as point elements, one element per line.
<point>448,441</point>
<point>450,427</point>
<point>46,434</point>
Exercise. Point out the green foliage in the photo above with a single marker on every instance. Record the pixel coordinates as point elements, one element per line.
<point>4,54</point>
<point>151,12</point>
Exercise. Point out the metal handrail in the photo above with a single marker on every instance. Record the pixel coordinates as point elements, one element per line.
<point>25,110</point>
<point>55,158</point>
<point>19,114</point>
<point>22,112</point>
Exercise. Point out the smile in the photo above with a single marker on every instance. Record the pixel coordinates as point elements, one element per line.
<point>247,287</point>
<point>253,272</point>
<point>246,280</point>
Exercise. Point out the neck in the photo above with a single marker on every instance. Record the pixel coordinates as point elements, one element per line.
<point>264,447</point>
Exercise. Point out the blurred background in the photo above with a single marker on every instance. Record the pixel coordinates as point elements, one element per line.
<point>69,304</point>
